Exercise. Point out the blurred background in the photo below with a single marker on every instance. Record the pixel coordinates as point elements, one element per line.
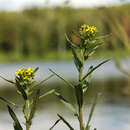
<point>32,33</point>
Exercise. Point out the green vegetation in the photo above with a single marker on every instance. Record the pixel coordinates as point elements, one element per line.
<point>89,42</point>
<point>30,91</point>
<point>39,33</point>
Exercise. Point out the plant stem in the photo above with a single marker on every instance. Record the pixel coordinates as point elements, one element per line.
<point>80,108</point>
<point>80,74</point>
<point>27,126</point>
<point>81,119</point>
<point>27,114</point>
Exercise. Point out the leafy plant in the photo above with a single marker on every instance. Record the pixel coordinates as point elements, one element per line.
<point>89,42</point>
<point>30,92</point>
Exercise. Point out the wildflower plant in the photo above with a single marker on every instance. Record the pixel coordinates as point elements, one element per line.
<point>30,92</point>
<point>89,42</point>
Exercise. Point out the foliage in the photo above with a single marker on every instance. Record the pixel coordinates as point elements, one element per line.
<point>89,42</point>
<point>34,32</point>
<point>24,82</point>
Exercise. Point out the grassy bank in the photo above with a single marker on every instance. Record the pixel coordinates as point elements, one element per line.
<point>39,33</point>
<point>54,55</point>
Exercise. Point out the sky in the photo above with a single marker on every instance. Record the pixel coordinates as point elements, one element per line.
<point>16,5</point>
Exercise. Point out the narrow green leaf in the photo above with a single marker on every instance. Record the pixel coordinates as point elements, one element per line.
<point>87,81</point>
<point>43,81</point>
<point>77,60</point>
<point>36,69</point>
<point>92,110</point>
<point>85,86</point>
<point>79,95</point>
<point>66,103</point>
<point>70,42</point>
<point>105,36</point>
<point>10,81</point>
<point>25,109</point>
<point>88,127</point>
<point>55,124</point>
<point>67,82</point>
<point>93,49</point>
<point>33,110</point>
<point>94,69</point>
<point>47,93</point>
<point>67,123</point>
<point>17,125</point>
<point>21,89</point>
<point>7,101</point>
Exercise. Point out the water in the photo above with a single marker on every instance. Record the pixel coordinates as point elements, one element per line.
<point>112,111</point>
<point>65,68</point>
<point>106,117</point>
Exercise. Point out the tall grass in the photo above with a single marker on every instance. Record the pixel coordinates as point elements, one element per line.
<point>35,31</point>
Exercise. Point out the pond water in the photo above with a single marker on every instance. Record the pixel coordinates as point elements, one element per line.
<point>106,117</point>
<point>65,68</point>
<point>112,111</point>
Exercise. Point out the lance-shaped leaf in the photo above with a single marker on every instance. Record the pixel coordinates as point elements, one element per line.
<point>92,110</point>
<point>77,60</point>
<point>88,128</point>
<point>94,69</point>
<point>55,124</point>
<point>67,82</point>
<point>93,49</point>
<point>85,86</point>
<point>17,125</point>
<point>47,93</point>
<point>7,101</point>
<point>87,81</point>
<point>66,122</point>
<point>33,110</point>
<point>70,42</point>
<point>21,89</point>
<point>103,37</point>
<point>10,81</point>
<point>43,81</point>
<point>36,69</point>
<point>79,95</point>
<point>66,103</point>
<point>25,110</point>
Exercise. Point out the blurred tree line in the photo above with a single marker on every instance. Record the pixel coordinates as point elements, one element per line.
<point>39,31</point>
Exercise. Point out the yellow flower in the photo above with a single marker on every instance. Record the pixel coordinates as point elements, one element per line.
<point>19,72</point>
<point>87,31</point>
<point>25,74</point>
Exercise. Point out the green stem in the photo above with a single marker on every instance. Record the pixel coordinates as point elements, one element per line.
<point>26,113</point>
<point>80,108</point>
<point>81,119</point>
<point>80,75</point>
<point>27,126</point>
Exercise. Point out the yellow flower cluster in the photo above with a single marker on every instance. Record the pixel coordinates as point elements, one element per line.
<point>87,31</point>
<point>25,74</point>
